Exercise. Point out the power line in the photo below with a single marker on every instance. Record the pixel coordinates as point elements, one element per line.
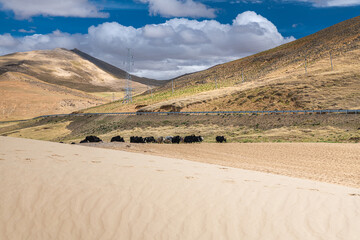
<point>128,67</point>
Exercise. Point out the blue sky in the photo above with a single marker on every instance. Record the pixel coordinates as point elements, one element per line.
<point>168,37</point>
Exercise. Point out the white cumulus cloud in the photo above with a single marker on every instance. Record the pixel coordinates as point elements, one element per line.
<point>55,39</point>
<point>331,3</point>
<point>26,31</point>
<point>166,50</point>
<point>179,8</point>
<point>65,8</point>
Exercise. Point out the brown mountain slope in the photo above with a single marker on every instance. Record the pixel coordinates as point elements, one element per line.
<point>276,79</point>
<point>337,39</point>
<point>65,68</point>
<point>23,96</point>
<point>321,88</point>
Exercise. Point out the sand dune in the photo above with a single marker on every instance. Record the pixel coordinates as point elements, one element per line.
<point>58,191</point>
<point>337,163</point>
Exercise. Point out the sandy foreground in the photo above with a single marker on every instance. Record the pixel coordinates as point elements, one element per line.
<point>337,163</point>
<point>59,191</point>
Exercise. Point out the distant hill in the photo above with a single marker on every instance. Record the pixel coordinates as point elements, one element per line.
<point>57,81</point>
<point>270,80</point>
<point>67,68</point>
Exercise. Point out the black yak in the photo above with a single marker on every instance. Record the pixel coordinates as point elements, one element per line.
<point>150,140</point>
<point>117,139</point>
<point>91,139</point>
<point>176,139</point>
<point>168,139</point>
<point>193,139</point>
<point>220,139</point>
<point>160,139</point>
<point>137,139</point>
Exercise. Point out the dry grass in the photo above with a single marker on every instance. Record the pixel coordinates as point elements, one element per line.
<point>48,132</point>
<point>242,134</point>
<point>248,128</point>
<point>109,96</point>
<point>7,124</point>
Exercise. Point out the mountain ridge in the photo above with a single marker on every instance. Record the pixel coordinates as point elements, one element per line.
<point>117,72</point>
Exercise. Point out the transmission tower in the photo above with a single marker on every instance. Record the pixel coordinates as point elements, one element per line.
<point>128,68</point>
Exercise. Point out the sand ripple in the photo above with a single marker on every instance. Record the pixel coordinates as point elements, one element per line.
<point>125,196</point>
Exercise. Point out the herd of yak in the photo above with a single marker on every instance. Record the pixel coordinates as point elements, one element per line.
<point>168,139</point>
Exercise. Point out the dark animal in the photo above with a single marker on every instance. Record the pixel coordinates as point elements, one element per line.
<point>160,139</point>
<point>193,139</point>
<point>176,139</point>
<point>137,139</point>
<point>189,139</point>
<point>117,139</point>
<point>150,140</point>
<point>168,139</point>
<point>220,139</point>
<point>91,139</point>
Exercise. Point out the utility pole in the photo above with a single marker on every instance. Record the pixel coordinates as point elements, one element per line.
<point>149,89</point>
<point>305,65</point>
<point>172,86</point>
<point>129,64</point>
<point>331,61</point>
<point>113,97</point>
<point>216,82</point>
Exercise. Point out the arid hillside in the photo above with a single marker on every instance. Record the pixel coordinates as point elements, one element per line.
<point>58,81</point>
<point>320,71</point>
<point>285,59</point>
<point>23,96</point>
<point>65,68</point>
